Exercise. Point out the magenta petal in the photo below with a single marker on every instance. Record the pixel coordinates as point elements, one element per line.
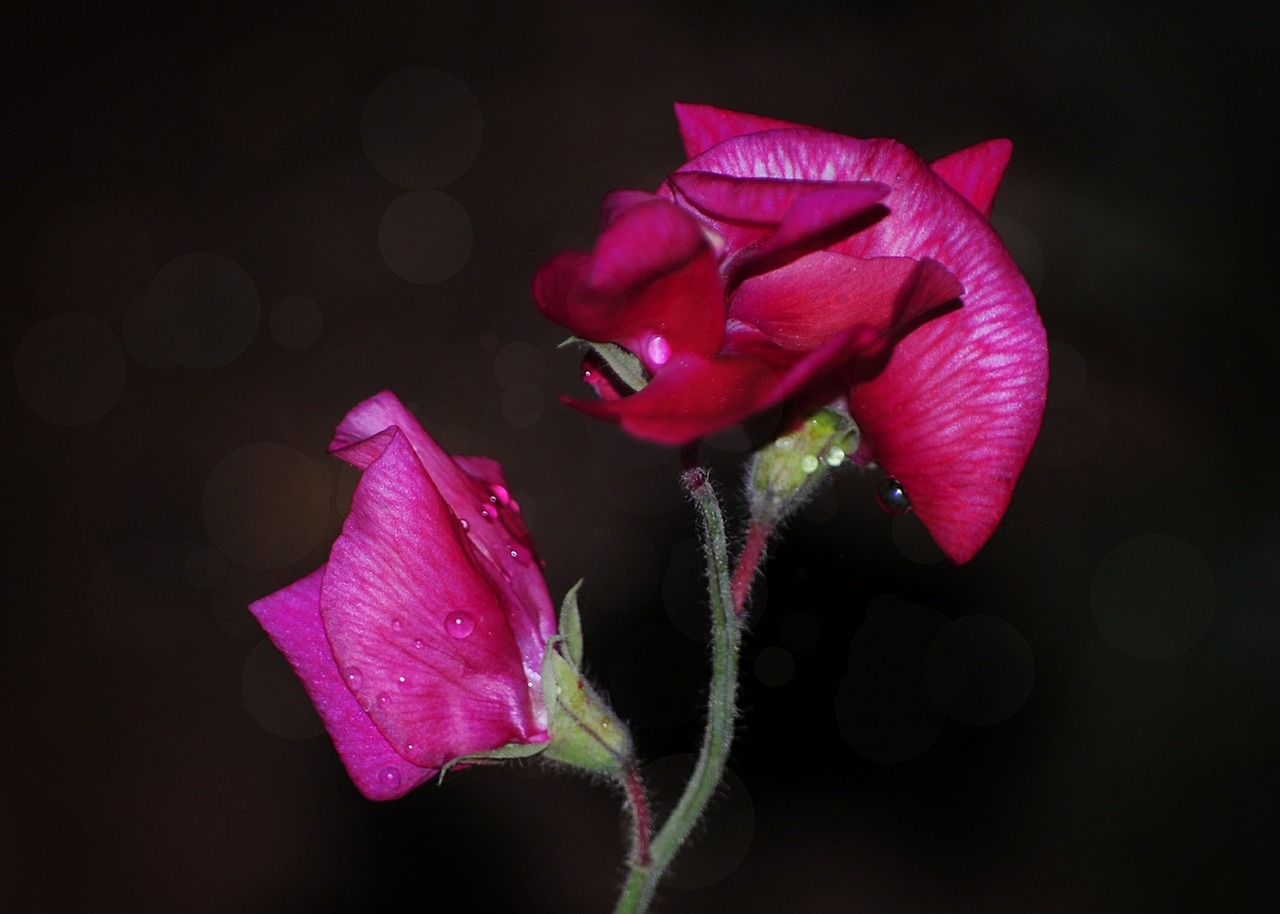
<point>953,417</point>
<point>692,396</point>
<point>480,500</point>
<point>702,126</point>
<point>617,202</point>
<point>802,305</point>
<point>291,617</point>
<point>767,201</point>
<point>554,287</point>
<point>652,274</point>
<point>417,631</point>
<point>975,172</point>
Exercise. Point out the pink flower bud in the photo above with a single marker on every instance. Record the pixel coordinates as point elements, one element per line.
<point>422,640</point>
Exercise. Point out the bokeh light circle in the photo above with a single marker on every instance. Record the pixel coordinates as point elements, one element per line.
<point>979,670</point>
<point>421,128</point>
<point>774,666</point>
<point>202,310</point>
<point>522,405</point>
<point>722,840</point>
<point>883,708</point>
<point>70,369</point>
<point>267,505</point>
<point>1153,596</point>
<point>657,677</point>
<point>623,568</point>
<point>519,363</point>
<point>274,696</point>
<point>296,322</point>
<point>142,597</point>
<point>425,237</point>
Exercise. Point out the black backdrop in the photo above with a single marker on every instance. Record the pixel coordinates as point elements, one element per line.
<point>1115,718</point>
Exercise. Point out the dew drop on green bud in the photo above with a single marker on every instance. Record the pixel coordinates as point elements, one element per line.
<point>892,497</point>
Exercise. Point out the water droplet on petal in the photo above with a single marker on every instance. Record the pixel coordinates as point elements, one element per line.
<point>397,624</point>
<point>488,512</point>
<point>383,700</point>
<point>418,643</point>
<point>459,625</point>
<point>834,456</point>
<point>892,497</point>
<point>389,777</point>
<point>658,350</point>
<point>462,522</point>
<point>521,557</point>
<point>809,463</point>
<point>355,679</point>
<point>402,681</point>
<point>500,495</point>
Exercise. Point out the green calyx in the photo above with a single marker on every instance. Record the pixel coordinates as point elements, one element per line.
<point>584,731</point>
<point>788,470</point>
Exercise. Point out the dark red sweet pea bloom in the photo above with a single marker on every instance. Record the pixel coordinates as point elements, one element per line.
<point>784,262</point>
<point>422,639</point>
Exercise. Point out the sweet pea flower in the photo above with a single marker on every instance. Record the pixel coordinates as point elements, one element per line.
<point>787,263</point>
<point>422,640</point>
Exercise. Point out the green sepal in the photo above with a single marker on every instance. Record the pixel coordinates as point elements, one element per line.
<point>584,731</point>
<point>625,366</point>
<point>571,625</point>
<point>507,753</point>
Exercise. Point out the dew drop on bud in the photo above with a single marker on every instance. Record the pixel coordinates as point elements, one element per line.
<point>354,679</point>
<point>389,777</point>
<point>521,557</point>
<point>658,350</point>
<point>892,496</point>
<point>834,456</point>
<point>809,463</point>
<point>459,625</point>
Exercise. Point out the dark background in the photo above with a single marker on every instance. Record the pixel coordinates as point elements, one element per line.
<point>1110,670</point>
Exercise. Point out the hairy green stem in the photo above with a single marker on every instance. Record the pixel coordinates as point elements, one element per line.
<point>642,880</point>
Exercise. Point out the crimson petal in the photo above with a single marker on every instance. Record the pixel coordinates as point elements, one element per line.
<point>702,126</point>
<point>802,305</point>
<point>975,172</point>
<point>953,416</point>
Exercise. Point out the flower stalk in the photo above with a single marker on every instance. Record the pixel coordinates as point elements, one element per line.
<point>644,877</point>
